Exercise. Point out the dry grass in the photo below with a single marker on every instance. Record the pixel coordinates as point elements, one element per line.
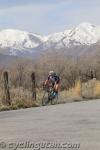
<point>73,94</point>
<point>22,98</point>
<point>88,90</point>
<point>97,89</point>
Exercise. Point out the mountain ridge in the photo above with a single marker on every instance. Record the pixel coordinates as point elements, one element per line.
<point>20,43</point>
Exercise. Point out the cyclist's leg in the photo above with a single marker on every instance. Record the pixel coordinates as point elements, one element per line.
<point>56,87</point>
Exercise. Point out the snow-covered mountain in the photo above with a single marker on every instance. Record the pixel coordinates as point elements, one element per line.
<point>16,42</point>
<point>83,34</point>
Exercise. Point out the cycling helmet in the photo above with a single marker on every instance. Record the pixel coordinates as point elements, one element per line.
<point>52,73</point>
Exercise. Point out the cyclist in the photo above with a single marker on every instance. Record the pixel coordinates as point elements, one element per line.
<point>54,81</point>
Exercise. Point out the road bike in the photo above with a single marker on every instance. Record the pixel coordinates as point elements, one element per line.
<point>50,96</point>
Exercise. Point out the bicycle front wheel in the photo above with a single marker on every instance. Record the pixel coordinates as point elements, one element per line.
<point>54,100</point>
<point>45,99</point>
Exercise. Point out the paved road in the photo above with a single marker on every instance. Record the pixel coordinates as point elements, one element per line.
<point>76,123</point>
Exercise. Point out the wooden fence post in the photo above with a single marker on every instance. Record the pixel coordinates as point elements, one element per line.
<point>33,86</point>
<point>6,89</point>
<point>91,74</point>
<point>80,79</point>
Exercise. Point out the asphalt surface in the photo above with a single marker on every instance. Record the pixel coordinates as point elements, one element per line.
<point>64,124</point>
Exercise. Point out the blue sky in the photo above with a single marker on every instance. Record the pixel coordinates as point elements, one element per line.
<point>47,16</point>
